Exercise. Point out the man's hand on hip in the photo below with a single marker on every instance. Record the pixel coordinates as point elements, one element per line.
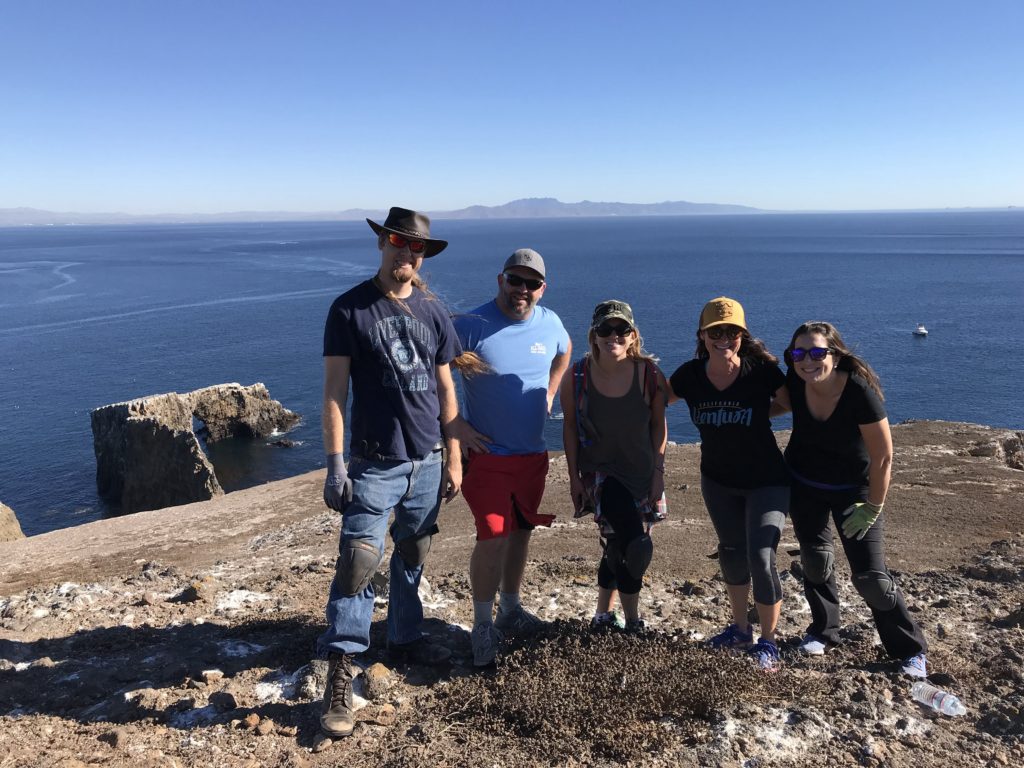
<point>338,486</point>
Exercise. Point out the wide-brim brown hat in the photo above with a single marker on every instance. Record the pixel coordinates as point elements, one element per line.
<point>410,224</point>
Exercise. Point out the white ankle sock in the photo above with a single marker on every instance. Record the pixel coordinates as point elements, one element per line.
<point>508,601</point>
<point>482,612</point>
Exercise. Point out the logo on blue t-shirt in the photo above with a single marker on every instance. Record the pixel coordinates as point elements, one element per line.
<point>538,349</point>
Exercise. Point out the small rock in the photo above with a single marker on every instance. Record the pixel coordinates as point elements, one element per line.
<point>117,738</point>
<point>321,742</point>
<point>195,592</point>
<point>384,715</point>
<point>212,675</point>
<point>377,679</point>
<point>288,730</point>
<point>266,727</point>
<point>223,701</point>
<point>45,662</point>
<point>150,598</point>
<point>251,720</point>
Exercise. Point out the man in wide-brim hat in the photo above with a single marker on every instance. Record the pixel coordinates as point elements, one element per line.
<point>411,226</point>
<point>395,342</point>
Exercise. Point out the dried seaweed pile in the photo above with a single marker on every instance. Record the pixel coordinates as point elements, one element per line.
<point>573,695</point>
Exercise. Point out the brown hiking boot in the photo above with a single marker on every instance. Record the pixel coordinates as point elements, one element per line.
<point>336,712</point>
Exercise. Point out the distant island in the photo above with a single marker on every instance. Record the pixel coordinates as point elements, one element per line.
<point>526,208</point>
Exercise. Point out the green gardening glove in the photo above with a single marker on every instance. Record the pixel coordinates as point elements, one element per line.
<point>859,519</point>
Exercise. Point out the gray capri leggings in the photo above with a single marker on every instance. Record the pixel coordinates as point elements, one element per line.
<point>749,523</point>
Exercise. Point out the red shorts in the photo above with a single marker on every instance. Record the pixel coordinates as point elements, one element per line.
<point>504,492</point>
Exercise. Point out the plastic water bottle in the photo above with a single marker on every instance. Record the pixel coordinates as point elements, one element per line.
<point>660,509</point>
<point>937,699</point>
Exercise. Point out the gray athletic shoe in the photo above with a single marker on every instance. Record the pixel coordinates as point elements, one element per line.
<point>518,622</point>
<point>485,639</point>
<point>336,718</point>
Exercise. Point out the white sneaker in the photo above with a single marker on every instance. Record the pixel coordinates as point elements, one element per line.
<point>485,640</point>
<point>813,646</point>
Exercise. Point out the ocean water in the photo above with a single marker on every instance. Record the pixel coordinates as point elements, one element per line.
<point>96,315</point>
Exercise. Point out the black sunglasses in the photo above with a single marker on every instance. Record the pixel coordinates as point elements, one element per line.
<point>718,331</point>
<point>817,354</point>
<point>516,281</point>
<point>604,330</point>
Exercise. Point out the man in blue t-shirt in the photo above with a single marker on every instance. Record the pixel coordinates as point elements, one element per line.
<point>395,341</point>
<point>526,350</point>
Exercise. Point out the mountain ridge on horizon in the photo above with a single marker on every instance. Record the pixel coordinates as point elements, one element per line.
<point>523,208</point>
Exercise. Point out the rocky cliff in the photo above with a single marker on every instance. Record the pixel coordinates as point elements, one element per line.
<point>10,529</point>
<point>149,457</point>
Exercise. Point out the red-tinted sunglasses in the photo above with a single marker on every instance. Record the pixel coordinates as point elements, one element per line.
<point>416,246</point>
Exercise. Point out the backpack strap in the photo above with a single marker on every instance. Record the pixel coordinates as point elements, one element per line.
<point>580,374</point>
<point>650,381</point>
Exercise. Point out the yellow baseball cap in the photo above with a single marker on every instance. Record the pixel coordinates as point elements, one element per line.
<point>722,311</point>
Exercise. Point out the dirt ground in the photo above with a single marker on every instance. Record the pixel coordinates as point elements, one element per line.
<point>184,637</point>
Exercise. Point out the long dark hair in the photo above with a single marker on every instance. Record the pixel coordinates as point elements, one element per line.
<point>749,347</point>
<point>845,359</point>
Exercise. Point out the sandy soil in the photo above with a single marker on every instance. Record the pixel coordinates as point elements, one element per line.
<point>184,637</point>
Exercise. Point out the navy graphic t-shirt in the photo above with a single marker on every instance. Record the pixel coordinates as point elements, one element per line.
<point>395,410</point>
<point>738,447</point>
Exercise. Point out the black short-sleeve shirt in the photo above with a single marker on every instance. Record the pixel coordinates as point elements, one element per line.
<point>738,447</point>
<point>395,409</point>
<point>832,452</point>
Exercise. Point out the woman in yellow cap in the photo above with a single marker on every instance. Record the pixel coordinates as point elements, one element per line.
<point>729,387</point>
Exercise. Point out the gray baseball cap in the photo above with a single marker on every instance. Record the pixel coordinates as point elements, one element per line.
<point>526,257</point>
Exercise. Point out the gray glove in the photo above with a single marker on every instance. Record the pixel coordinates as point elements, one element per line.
<point>338,486</point>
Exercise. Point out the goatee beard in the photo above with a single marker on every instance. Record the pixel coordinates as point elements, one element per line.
<point>400,276</point>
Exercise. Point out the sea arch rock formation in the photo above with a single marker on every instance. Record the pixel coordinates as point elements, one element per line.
<point>148,456</point>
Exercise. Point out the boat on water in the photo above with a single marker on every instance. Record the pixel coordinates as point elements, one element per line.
<point>920,330</point>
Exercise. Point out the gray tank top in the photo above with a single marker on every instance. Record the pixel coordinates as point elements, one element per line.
<point>621,446</point>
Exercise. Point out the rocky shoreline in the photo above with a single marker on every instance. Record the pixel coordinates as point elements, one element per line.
<point>184,636</point>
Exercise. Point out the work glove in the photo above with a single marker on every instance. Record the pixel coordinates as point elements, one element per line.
<point>859,519</point>
<point>338,486</point>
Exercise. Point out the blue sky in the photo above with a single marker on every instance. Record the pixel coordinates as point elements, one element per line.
<point>146,107</point>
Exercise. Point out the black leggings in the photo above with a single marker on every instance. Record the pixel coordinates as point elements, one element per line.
<point>618,509</point>
<point>810,510</point>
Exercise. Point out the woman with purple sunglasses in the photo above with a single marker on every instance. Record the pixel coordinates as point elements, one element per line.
<point>840,457</point>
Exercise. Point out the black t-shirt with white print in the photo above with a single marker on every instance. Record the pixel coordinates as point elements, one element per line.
<point>738,447</point>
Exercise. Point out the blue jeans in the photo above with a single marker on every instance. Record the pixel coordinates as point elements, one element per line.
<point>412,489</point>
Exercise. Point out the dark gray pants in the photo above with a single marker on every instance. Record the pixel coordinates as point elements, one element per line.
<point>812,510</point>
<point>749,524</point>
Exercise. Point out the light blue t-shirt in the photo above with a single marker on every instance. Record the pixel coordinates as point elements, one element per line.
<point>509,403</point>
